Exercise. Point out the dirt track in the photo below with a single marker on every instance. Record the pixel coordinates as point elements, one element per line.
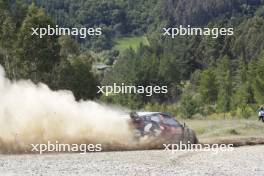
<point>242,161</point>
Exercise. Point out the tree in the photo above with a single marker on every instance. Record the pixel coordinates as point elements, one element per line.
<point>68,47</point>
<point>7,39</point>
<point>225,91</point>
<point>244,94</point>
<point>37,56</point>
<point>188,105</point>
<point>76,75</point>
<point>258,83</point>
<point>208,86</point>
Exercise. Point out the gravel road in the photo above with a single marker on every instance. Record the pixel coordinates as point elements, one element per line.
<point>242,161</point>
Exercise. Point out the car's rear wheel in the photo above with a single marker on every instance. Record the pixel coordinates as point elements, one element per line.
<point>189,136</point>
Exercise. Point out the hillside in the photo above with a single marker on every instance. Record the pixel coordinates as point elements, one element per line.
<point>204,75</point>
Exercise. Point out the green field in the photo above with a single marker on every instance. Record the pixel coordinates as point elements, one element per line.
<point>215,130</point>
<point>124,43</point>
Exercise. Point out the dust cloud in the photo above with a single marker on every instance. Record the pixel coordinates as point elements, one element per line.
<point>34,114</point>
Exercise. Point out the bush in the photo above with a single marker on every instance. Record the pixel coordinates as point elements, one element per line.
<point>207,110</point>
<point>130,101</point>
<point>245,112</point>
<point>172,109</point>
<point>189,106</point>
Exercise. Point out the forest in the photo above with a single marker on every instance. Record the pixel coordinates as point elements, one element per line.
<point>204,75</point>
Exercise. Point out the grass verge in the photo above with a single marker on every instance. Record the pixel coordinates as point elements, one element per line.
<point>238,132</point>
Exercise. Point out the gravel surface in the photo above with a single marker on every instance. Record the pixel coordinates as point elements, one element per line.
<point>242,161</point>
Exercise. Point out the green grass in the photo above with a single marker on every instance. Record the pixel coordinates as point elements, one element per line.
<point>124,43</point>
<point>226,129</point>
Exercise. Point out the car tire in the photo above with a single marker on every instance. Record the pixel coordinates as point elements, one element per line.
<point>189,136</point>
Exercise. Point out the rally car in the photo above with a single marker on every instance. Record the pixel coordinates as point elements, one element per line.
<point>161,126</point>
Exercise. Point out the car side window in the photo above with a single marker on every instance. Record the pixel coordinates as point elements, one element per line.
<point>155,118</point>
<point>166,116</point>
<point>171,121</point>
